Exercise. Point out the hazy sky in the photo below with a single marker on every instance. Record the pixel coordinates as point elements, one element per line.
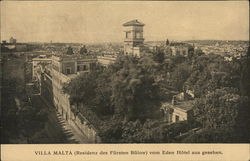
<point>101,21</point>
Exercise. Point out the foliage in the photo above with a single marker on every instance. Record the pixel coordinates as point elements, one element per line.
<point>82,88</point>
<point>83,50</point>
<point>179,76</point>
<point>92,90</point>
<point>245,76</point>
<point>40,137</point>
<point>211,136</point>
<point>126,88</point>
<point>111,130</point>
<point>31,120</point>
<point>134,93</point>
<point>69,51</point>
<point>128,93</point>
<point>9,118</point>
<point>198,52</point>
<point>159,56</point>
<point>18,120</point>
<point>220,108</point>
<point>150,131</point>
<point>209,72</point>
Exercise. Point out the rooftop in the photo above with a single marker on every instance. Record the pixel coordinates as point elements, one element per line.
<point>182,105</point>
<point>74,56</point>
<point>133,23</point>
<point>179,44</point>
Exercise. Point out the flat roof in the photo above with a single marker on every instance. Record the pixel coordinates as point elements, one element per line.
<point>133,23</point>
<point>182,105</point>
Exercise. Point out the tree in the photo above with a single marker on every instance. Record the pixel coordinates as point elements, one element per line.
<point>211,136</point>
<point>31,120</point>
<point>209,72</point>
<point>69,51</point>
<point>9,120</point>
<point>179,75</point>
<point>93,90</point>
<point>220,108</point>
<point>245,77</point>
<point>248,52</point>
<point>224,110</point>
<point>159,56</point>
<point>83,50</point>
<point>198,52</point>
<point>81,89</point>
<point>127,88</point>
<point>167,42</point>
<point>134,94</point>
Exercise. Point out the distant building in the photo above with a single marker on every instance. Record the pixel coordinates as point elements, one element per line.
<point>133,42</point>
<point>38,64</point>
<point>12,40</point>
<point>10,47</point>
<point>21,47</point>
<point>13,46</point>
<point>176,49</point>
<point>179,51</point>
<point>106,60</point>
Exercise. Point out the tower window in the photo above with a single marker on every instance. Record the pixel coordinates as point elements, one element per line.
<point>138,35</point>
<point>128,34</point>
<point>85,67</point>
<point>68,71</point>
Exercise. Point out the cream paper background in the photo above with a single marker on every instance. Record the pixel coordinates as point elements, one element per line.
<point>231,152</point>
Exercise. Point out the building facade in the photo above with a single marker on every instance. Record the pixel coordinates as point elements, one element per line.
<point>180,109</point>
<point>176,49</point>
<point>179,51</point>
<point>65,68</point>
<point>106,60</point>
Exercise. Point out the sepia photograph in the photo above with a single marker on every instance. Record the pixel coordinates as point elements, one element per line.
<point>122,72</point>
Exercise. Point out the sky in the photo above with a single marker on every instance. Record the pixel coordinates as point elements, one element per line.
<point>101,21</point>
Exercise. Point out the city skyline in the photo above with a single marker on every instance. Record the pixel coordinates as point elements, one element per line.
<point>89,22</point>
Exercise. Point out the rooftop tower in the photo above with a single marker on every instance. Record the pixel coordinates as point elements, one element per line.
<point>133,41</point>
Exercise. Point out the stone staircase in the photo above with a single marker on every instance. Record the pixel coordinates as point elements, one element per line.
<point>67,130</point>
<point>72,133</point>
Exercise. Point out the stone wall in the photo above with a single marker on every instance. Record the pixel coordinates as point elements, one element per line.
<point>86,128</point>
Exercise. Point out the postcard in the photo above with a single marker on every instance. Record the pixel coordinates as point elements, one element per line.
<point>125,80</point>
